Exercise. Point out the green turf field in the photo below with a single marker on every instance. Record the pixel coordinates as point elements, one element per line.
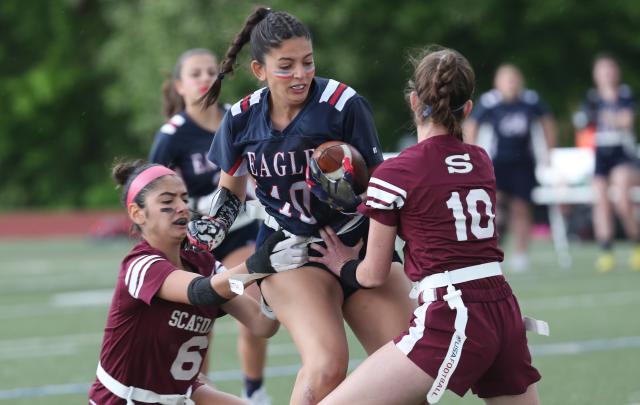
<point>53,304</point>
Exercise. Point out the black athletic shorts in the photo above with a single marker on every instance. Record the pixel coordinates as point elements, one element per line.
<point>608,157</point>
<point>349,238</point>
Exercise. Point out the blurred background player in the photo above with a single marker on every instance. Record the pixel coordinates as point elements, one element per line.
<point>510,120</point>
<point>468,332</point>
<point>165,301</point>
<point>610,109</point>
<point>182,144</point>
<point>270,134</point>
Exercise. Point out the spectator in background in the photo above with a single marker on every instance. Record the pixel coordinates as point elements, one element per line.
<point>182,144</point>
<point>517,124</point>
<point>609,108</point>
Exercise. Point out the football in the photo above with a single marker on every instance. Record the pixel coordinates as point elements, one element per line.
<point>329,157</point>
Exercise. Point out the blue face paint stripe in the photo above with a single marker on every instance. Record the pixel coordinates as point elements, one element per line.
<point>283,73</point>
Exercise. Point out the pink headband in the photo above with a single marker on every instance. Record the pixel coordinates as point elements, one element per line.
<point>144,178</point>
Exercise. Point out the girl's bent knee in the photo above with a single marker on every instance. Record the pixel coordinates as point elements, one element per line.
<point>326,375</point>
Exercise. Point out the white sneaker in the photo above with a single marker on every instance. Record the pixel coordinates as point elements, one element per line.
<point>259,397</point>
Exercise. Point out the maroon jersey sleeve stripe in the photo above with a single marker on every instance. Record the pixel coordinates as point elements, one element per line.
<point>385,217</point>
<point>378,187</point>
<point>380,202</point>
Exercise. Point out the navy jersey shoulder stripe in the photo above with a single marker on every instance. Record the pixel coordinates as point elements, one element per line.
<point>173,124</point>
<point>336,94</point>
<point>246,102</point>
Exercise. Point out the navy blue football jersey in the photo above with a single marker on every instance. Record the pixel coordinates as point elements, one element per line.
<point>511,123</point>
<point>182,145</point>
<point>246,142</point>
<point>594,106</point>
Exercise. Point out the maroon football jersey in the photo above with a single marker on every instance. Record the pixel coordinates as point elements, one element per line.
<point>441,194</point>
<point>148,342</point>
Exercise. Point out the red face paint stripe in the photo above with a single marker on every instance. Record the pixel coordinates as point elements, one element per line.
<point>334,98</point>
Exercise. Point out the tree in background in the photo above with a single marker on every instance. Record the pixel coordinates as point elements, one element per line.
<point>81,81</point>
<point>56,137</point>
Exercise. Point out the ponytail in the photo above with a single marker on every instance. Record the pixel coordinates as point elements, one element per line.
<point>443,81</point>
<point>226,67</point>
<point>172,102</point>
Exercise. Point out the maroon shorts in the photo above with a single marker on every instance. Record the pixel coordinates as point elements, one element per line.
<point>494,360</point>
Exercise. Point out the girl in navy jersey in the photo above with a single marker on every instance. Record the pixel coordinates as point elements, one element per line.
<point>165,302</point>
<point>439,196</point>
<point>182,144</point>
<point>514,117</point>
<point>271,134</point>
<point>610,109</point>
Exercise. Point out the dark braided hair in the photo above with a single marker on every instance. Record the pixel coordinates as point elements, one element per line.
<point>443,81</point>
<point>265,29</point>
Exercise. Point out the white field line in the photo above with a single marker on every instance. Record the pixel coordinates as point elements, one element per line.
<point>566,348</point>
<point>83,298</point>
<point>46,346</point>
<point>64,345</point>
<point>91,299</point>
<point>586,300</point>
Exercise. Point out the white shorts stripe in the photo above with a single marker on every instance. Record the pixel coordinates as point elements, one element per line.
<point>142,274</point>
<point>416,332</point>
<point>346,95</point>
<point>328,91</point>
<point>452,358</point>
<point>388,185</point>
<point>384,196</point>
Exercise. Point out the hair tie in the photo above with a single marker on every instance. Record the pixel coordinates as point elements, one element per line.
<point>221,76</point>
<point>145,177</point>
<point>427,111</point>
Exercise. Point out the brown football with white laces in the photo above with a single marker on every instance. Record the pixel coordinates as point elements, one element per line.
<point>330,156</point>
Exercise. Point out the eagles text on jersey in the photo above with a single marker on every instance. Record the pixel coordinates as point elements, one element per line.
<point>247,143</point>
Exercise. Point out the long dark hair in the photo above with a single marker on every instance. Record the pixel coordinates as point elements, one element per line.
<point>265,29</point>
